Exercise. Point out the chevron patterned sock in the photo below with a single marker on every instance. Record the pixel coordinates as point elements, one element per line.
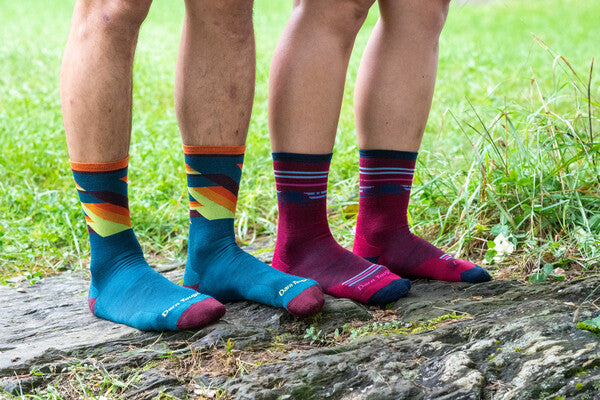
<point>124,288</point>
<point>216,265</point>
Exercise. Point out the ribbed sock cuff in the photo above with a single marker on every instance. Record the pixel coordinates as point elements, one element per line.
<point>298,157</point>
<point>396,154</point>
<point>100,166</point>
<point>214,150</point>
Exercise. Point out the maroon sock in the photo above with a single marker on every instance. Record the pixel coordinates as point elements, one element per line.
<point>382,231</point>
<point>305,246</point>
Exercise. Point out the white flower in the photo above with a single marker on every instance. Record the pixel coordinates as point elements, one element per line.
<point>503,247</point>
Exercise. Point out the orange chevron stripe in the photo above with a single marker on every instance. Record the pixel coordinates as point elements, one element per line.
<point>191,170</point>
<point>194,204</point>
<point>216,197</point>
<point>113,208</point>
<point>240,165</point>
<point>224,192</point>
<point>124,179</point>
<point>88,220</point>
<point>108,215</point>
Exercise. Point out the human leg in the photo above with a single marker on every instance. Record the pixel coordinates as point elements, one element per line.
<point>96,99</point>
<point>393,97</point>
<point>305,94</point>
<point>214,95</point>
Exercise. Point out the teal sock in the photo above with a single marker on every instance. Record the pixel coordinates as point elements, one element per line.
<point>215,264</point>
<point>124,288</point>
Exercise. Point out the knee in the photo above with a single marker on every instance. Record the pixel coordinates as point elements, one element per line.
<point>431,15</point>
<point>119,16</point>
<point>341,17</point>
<point>233,17</point>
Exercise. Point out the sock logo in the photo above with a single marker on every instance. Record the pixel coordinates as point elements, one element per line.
<point>291,285</point>
<point>360,280</point>
<point>174,306</point>
<point>375,279</point>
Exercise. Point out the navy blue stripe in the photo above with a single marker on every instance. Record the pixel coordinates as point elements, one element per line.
<point>104,196</point>
<point>114,171</point>
<point>195,214</point>
<point>224,181</point>
<point>399,155</point>
<point>215,155</point>
<point>108,196</point>
<point>281,156</point>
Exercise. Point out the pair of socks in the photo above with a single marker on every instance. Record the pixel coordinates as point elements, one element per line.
<point>125,289</point>
<point>383,238</point>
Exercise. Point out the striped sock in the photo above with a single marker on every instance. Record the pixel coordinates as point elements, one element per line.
<point>382,231</point>
<point>216,265</point>
<point>305,245</point>
<point>124,288</point>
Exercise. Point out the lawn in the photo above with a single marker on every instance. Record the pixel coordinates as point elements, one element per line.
<point>511,148</point>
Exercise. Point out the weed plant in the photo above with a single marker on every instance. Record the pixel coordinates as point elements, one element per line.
<point>533,175</point>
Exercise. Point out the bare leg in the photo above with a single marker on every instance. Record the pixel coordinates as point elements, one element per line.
<point>397,74</point>
<point>392,101</point>
<point>96,98</point>
<point>308,73</point>
<point>213,96</point>
<point>96,78</point>
<point>306,89</point>
<point>214,85</point>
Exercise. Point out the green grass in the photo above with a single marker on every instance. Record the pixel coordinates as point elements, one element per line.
<point>508,146</point>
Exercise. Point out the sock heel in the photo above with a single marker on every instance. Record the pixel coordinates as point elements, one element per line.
<point>362,248</point>
<point>278,264</point>
<point>92,305</point>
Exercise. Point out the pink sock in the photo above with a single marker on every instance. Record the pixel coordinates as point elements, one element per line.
<point>382,231</point>
<point>305,246</point>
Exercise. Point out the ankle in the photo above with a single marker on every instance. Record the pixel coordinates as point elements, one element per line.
<point>119,250</point>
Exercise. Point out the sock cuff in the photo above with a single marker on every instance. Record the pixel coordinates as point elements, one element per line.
<point>216,150</point>
<point>395,154</point>
<point>99,166</point>
<point>299,157</point>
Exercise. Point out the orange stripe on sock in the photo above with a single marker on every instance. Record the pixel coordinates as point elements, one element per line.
<point>228,150</point>
<point>217,198</point>
<point>194,204</point>
<point>100,167</point>
<point>109,216</point>
<point>224,192</point>
<point>191,171</point>
<point>113,208</point>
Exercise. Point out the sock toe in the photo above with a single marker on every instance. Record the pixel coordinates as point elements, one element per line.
<point>200,314</point>
<point>390,293</point>
<point>307,303</point>
<point>475,275</point>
